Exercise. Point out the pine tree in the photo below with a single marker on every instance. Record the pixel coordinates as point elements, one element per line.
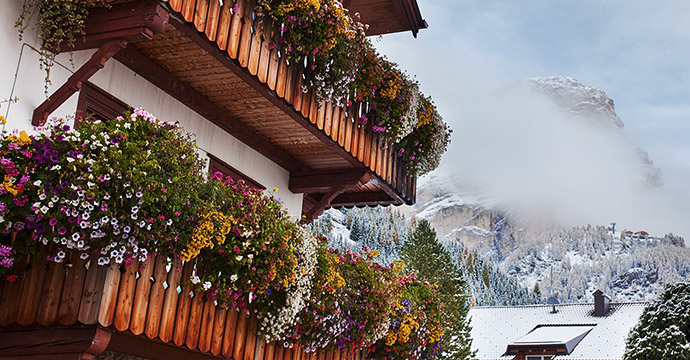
<point>469,263</point>
<point>536,290</point>
<point>664,327</point>
<point>485,276</point>
<point>423,254</point>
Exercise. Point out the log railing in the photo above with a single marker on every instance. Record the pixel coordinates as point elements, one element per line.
<point>248,39</point>
<point>151,299</point>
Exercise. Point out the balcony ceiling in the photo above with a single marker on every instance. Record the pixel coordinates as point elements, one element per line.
<point>220,64</point>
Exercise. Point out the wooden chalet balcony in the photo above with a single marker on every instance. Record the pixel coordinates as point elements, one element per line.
<point>220,63</point>
<point>73,310</point>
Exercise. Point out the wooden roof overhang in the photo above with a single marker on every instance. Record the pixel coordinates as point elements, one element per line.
<point>388,16</point>
<point>221,64</point>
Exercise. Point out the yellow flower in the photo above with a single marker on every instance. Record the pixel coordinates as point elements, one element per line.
<point>3,120</point>
<point>9,186</point>
<point>212,225</point>
<point>24,138</point>
<point>390,91</point>
<point>398,267</point>
<point>426,116</point>
<point>391,337</point>
<point>275,189</point>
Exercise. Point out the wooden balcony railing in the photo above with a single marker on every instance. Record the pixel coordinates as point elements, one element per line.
<point>246,38</point>
<point>148,299</point>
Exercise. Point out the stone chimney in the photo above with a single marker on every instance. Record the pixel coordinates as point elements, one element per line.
<point>601,303</point>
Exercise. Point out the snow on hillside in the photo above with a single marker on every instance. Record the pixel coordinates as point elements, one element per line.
<point>569,263</point>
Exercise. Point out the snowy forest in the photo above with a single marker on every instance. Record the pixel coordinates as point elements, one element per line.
<point>569,264</point>
<point>386,230</point>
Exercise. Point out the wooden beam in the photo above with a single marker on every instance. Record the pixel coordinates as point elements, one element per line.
<point>388,189</point>
<point>221,56</point>
<point>59,342</point>
<point>141,346</point>
<point>179,90</point>
<point>363,198</point>
<point>323,182</point>
<point>132,21</point>
<point>73,84</point>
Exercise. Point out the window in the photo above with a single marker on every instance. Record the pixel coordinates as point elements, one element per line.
<point>217,165</point>
<point>539,357</point>
<point>98,103</point>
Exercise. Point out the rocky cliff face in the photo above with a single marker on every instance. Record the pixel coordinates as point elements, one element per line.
<point>586,102</point>
<point>590,104</point>
<point>457,212</point>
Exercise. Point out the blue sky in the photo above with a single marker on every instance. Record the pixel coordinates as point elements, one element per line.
<point>638,52</point>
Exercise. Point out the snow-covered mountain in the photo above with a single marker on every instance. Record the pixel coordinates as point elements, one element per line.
<point>587,102</point>
<point>569,262</point>
<point>591,104</point>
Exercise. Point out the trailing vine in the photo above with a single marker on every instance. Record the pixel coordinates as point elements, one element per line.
<point>60,24</point>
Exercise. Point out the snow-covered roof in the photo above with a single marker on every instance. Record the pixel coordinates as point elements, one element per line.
<point>564,337</point>
<point>494,328</point>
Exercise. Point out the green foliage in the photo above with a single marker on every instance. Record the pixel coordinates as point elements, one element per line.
<point>663,332</point>
<point>485,276</point>
<point>536,290</point>
<point>424,255</point>
<point>422,148</point>
<point>60,23</point>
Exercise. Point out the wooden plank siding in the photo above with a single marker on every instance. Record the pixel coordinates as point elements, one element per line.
<point>115,297</point>
<point>251,39</point>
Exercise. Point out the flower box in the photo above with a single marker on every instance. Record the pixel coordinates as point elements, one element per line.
<point>144,309</point>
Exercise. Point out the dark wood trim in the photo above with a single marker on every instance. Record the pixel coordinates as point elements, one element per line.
<point>323,182</point>
<point>100,103</point>
<point>182,92</point>
<point>133,21</point>
<point>308,202</point>
<point>363,198</point>
<point>74,83</point>
<point>325,201</point>
<point>388,189</point>
<point>154,349</point>
<point>59,342</point>
<point>217,165</point>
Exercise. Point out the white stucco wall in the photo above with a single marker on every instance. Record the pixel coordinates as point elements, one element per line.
<point>125,85</point>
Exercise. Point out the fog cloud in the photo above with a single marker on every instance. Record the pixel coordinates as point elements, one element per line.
<point>518,148</point>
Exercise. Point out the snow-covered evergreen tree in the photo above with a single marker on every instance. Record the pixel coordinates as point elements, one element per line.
<point>664,328</point>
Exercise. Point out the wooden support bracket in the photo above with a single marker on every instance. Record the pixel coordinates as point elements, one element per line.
<point>73,84</point>
<point>325,201</point>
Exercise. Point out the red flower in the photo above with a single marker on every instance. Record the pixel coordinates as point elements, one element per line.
<point>11,278</point>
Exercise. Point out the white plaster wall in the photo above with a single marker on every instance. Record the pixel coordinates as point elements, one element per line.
<point>127,86</point>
